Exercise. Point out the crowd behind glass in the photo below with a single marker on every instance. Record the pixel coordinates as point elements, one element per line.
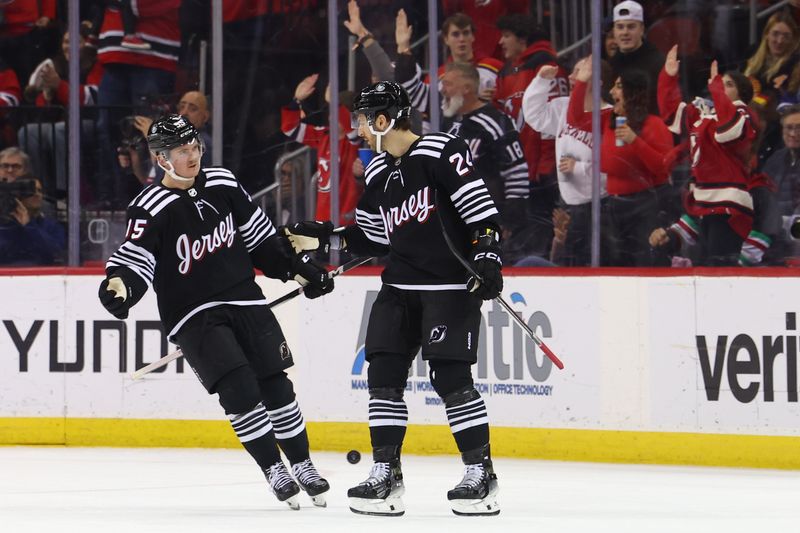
<point>700,131</point>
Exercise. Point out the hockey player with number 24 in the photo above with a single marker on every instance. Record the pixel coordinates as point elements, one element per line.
<point>416,189</point>
<point>196,237</point>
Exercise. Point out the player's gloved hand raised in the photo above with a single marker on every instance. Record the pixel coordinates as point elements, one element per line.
<point>487,264</point>
<point>312,276</point>
<point>114,297</point>
<point>309,236</point>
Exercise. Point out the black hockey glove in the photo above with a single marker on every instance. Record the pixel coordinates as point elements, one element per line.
<point>487,263</point>
<point>312,276</point>
<point>114,296</point>
<point>310,236</point>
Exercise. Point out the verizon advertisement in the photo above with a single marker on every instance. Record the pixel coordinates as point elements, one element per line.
<point>679,354</point>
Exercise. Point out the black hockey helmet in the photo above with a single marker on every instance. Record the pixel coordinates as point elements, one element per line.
<point>171,131</point>
<point>384,97</point>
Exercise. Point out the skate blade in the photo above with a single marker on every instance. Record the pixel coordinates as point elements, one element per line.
<point>319,500</point>
<point>388,507</point>
<point>487,506</point>
<point>292,502</point>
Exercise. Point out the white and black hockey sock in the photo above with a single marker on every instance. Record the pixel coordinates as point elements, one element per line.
<point>387,421</point>
<point>254,430</point>
<point>468,419</point>
<point>290,431</point>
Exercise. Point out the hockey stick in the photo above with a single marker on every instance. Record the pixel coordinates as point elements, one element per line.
<point>350,265</point>
<point>499,299</point>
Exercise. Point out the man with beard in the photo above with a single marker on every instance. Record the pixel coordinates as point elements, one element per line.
<point>494,145</point>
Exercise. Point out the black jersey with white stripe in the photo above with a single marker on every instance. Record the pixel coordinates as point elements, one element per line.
<point>403,202</point>
<point>193,246</point>
<point>496,151</point>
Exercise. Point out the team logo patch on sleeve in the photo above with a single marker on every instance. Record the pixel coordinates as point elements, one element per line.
<point>438,334</point>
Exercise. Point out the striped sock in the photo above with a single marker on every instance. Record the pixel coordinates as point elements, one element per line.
<point>469,423</point>
<point>254,430</point>
<point>387,422</point>
<point>290,431</point>
<point>387,413</point>
<point>252,424</point>
<point>287,420</point>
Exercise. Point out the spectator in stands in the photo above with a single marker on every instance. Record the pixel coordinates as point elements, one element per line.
<point>458,33</point>
<point>574,156</point>
<point>783,167</point>
<point>23,33</point>
<point>44,140</point>
<point>27,236</point>
<point>633,159</point>
<point>485,14</point>
<point>14,163</point>
<point>775,59</point>
<point>775,66</point>
<point>634,52</point>
<point>526,49</point>
<point>318,138</point>
<point>496,152</point>
<point>131,76</point>
<point>719,207</point>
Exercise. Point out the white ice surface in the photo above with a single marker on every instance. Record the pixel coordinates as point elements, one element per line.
<point>64,490</point>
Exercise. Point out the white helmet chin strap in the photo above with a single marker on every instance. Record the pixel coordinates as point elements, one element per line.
<point>379,134</point>
<point>170,170</point>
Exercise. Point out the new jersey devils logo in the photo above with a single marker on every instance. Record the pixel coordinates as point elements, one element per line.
<point>438,334</point>
<point>285,352</point>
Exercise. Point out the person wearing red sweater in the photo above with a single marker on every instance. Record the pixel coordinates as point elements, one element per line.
<point>318,138</point>
<point>632,156</point>
<point>526,49</point>
<point>719,210</point>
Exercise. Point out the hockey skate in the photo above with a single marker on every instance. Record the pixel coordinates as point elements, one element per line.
<point>476,494</point>
<point>282,484</point>
<point>311,482</point>
<point>380,493</point>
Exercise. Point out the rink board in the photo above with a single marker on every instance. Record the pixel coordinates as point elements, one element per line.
<point>691,369</point>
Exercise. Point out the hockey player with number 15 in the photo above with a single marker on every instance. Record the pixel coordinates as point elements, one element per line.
<point>196,237</point>
<point>416,189</point>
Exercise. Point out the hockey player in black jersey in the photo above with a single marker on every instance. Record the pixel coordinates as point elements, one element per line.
<point>416,188</point>
<point>196,237</point>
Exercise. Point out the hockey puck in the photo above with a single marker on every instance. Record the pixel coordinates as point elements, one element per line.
<point>353,457</point>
